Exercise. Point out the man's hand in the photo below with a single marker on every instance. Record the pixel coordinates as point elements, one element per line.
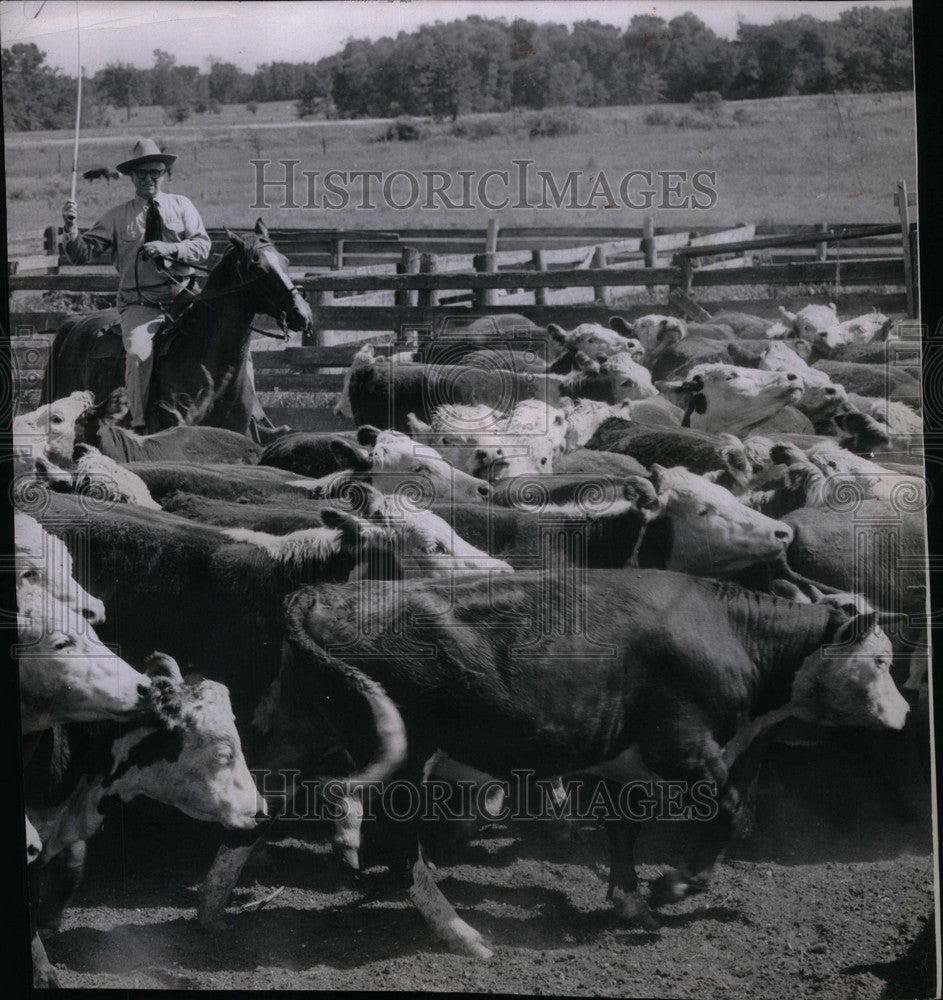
<point>158,248</point>
<point>70,212</point>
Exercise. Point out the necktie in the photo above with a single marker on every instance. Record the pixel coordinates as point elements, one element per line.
<point>153,228</point>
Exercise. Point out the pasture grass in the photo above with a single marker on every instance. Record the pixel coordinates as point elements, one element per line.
<point>833,158</point>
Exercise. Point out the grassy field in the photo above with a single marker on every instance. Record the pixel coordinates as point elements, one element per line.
<point>788,160</point>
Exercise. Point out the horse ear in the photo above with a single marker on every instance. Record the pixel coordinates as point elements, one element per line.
<point>261,229</point>
<point>234,238</point>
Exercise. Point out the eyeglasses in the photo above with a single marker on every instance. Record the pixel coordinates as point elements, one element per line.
<point>153,174</point>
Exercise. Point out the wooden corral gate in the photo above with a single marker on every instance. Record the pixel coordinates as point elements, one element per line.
<point>378,286</point>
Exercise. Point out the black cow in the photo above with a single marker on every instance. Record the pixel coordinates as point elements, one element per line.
<point>210,600</point>
<point>101,427</point>
<point>872,379</point>
<point>456,336</point>
<point>608,672</point>
<point>307,453</point>
<point>226,482</point>
<point>384,395</point>
<point>697,451</point>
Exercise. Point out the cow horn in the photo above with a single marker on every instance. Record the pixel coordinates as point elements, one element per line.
<point>367,435</point>
<point>620,325</point>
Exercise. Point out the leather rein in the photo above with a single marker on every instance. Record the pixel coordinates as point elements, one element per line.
<point>277,312</point>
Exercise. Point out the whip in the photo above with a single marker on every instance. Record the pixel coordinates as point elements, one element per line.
<point>78,100</point>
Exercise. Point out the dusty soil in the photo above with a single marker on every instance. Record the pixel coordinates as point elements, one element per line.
<point>831,897</point>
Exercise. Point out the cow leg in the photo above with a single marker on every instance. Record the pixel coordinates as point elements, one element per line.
<point>440,915</point>
<point>293,745</point>
<point>62,877</point>
<point>623,880</point>
<point>44,975</point>
<point>732,791</point>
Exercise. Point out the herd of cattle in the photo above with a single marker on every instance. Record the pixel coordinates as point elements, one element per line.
<point>538,549</point>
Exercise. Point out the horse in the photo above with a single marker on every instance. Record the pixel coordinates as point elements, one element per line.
<point>208,339</point>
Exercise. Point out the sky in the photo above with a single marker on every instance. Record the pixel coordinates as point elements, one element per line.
<point>249,33</point>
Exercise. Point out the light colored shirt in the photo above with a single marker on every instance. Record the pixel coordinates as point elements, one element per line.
<point>120,232</point>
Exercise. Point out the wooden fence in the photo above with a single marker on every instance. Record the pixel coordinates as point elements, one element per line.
<point>377,285</point>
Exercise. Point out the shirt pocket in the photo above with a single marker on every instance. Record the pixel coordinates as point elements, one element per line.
<point>173,227</point>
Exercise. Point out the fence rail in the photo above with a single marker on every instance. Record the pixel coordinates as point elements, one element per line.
<point>373,284</point>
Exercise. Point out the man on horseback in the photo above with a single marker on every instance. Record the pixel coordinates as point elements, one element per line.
<point>152,227</point>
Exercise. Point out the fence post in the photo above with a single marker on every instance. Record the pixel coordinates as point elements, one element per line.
<point>315,337</point>
<point>904,212</point>
<point>539,259</point>
<point>821,249</point>
<point>408,264</point>
<point>483,298</point>
<point>428,297</point>
<point>337,258</point>
<point>648,241</point>
<point>599,263</point>
<point>491,236</point>
<point>51,241</point>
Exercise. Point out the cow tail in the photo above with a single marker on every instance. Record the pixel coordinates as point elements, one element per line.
<point>390,730</point>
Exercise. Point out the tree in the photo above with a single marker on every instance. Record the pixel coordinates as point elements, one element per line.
<point>35,96</point>
<point>314,98</point>
<point>121,84</point>
<point>224,82</point>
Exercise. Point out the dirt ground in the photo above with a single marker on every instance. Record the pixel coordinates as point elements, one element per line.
<point>831,896</point>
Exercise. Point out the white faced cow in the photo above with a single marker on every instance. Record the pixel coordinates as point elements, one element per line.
<point>596,341</point>
<point>723,397</point>
<point>712,532</point>
<point>816,325</point>
<point>48,432</point>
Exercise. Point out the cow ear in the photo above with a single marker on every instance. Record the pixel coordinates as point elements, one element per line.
<point>367,435</point>
<point>584,363</point>
<point>162,665</point>
<point>261,229</point>
<point>349,456</point>
<point>348,525</point>
<point>416,426</point>
<point>789,317</point>
<point>803,348</point>
<point>620,325</point>
<point>658,477</point>
<point>117,406</point>
<point>558,334</point>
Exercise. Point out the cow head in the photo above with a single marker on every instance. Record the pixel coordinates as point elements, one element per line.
<point>818,325</point>
<point>66,673</point>
<point>655,333</point>
<point>49,432</point>
<point>583,417</point>
<point>44,569</point>
<point>188,755</point>
<point>114,410</point>
<point>847,681</point>
<point>628,379</point>
<point>363,360</point>
<point>864,329</point>
<point>399,464</point>
<point>712,532</point>
<point>721,397</point>
<point>595,340</point>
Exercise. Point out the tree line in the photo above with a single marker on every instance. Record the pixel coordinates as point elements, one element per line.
<point>494,64</point>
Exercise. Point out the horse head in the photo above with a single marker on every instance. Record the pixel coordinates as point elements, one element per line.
<point>260,272</point>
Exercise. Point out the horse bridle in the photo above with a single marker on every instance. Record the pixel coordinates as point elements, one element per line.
<point>277,312</point>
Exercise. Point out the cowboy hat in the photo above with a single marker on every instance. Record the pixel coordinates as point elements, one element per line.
<point>145,149</point>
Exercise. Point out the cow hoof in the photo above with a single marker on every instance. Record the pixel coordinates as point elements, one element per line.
<point>46,979</point>
<point>671,887</point>
<point>634,912</point>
